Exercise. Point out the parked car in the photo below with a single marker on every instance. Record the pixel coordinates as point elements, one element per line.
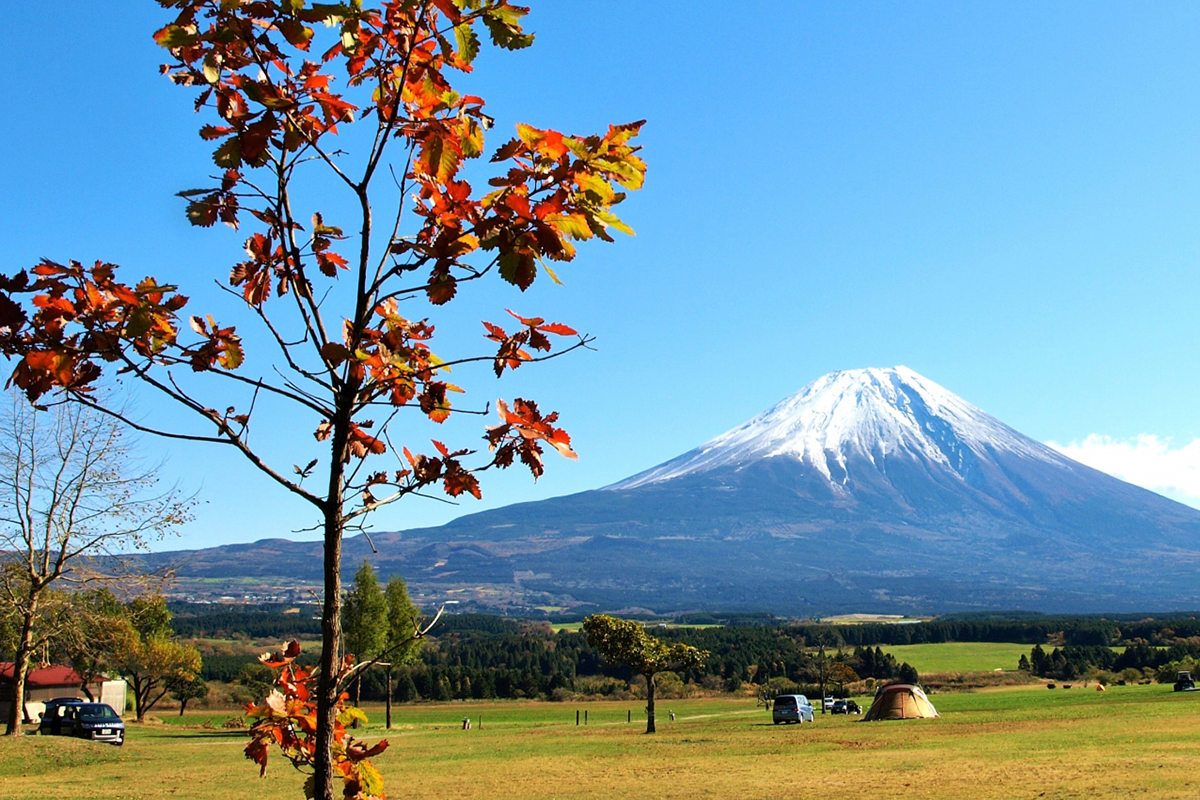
<point>791,708</point>
<point>74,717</point>
<point>828,702</point>
<point>845,707</point>
<point>53,714</point>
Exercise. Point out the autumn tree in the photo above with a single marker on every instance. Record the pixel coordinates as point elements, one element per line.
<point>29,633</point>
<point>841,673</point>
<point>364,620</point>
<point>341,307</point>
<point>622,641</point>
<point>185,689</point>
<point>72,500</point>
<point>146,655</point>
<point>99,626</point>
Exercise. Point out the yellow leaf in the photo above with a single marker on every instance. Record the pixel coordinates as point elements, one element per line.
<point>549,271</point>
<point>573,225</point>
<point>611,220</point>
<point>595,184</point>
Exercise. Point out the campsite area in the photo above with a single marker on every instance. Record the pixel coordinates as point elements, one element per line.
<point>1010,742</point>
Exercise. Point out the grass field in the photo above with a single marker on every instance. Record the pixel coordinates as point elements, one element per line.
<point>1136,741</point>
<point>960,656</point>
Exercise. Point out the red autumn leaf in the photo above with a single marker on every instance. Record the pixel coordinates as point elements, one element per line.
<point>530,321</point>
<point>330,262</point>
<point>508,150</point>
<point>557,328</point>
<point>210,132</point>
<point>358,751</point>
<point>335,353</point>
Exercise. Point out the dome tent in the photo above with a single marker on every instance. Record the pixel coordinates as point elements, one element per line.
<point>901,701</point>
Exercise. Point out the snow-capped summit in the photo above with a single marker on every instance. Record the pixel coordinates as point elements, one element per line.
<point>860,419</point>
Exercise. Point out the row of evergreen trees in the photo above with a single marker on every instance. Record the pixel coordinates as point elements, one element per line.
<point>461,664</point>
<point>479,656</point>
<point>1071,663</point>
<point>273,621</point>
<point>457,664</point>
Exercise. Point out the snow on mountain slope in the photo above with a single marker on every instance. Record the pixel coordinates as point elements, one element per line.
<point>844,417</point>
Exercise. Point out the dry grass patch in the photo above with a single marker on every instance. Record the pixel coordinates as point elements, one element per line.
<point>1128,742</point>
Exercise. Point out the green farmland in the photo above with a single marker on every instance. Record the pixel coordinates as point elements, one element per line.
<point>1025,742</point>
<point>959,656</point>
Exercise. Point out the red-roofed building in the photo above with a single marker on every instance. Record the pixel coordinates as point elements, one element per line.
<point>42,684</point>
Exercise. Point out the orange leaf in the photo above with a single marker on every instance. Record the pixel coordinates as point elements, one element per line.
<point>558,328</point>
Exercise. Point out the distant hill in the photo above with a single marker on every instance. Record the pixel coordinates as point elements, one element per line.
<point>868,490</point>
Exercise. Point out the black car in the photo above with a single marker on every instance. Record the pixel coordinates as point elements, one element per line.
<point>51,723</point>
<point>845,707</point>
<point>73,717</point>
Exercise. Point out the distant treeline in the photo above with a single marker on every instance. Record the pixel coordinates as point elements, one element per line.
<point>482,656</point>
<point>467,659</point>
<point>473,664</point>
<point>1076,631</point>
<point>267,621</point>
<point>194,620</point>
<point>1136,663</point>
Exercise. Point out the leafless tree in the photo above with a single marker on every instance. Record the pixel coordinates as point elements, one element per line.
<point>73,499</point>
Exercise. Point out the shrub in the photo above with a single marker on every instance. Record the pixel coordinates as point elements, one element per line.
<point>601,685</point>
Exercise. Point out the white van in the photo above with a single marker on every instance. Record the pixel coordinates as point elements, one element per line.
<point>791,708</point>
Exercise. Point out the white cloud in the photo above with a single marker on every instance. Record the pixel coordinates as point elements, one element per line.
<point>1147,461</point>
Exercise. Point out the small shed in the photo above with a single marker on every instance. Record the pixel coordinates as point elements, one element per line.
<point>43,683</point>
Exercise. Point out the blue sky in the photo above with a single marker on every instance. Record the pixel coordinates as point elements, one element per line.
<point>1003,197</point>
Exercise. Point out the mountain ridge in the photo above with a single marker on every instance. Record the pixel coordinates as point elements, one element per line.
<point>867,490</point>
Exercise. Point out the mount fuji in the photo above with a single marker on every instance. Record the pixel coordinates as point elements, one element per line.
<point>867,490</point>
<point>871,415</point>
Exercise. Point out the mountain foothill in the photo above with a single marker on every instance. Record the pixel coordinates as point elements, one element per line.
<point>868,490</point>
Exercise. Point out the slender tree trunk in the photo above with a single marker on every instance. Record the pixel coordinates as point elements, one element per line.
<point>650,703</point>
<point>335,525</point>
<point>16,714</point>
<point>139,699</point>
<point>388,703</point>
<point>331,636</point>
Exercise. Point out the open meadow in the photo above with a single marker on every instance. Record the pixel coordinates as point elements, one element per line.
<point>959,656</point>
<point>1134,741</point>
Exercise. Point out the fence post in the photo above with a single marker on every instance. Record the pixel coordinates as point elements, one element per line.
<point>577,716</point>
<point>628,715</point>
<point>585,716</point>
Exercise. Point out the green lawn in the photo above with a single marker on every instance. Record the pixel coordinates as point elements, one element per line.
<point>1023,742</point>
